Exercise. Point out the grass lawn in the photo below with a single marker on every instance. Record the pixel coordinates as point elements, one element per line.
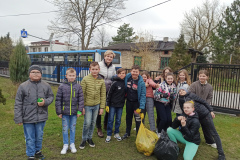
<point>12,144</point>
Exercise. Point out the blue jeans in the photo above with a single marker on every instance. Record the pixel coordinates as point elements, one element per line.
<point>112,112</point>
<point>33,133</point>
<point>69,121</point>
<point>90,117</point>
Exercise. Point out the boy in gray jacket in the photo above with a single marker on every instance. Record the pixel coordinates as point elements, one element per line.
<point>69,105</point>
<point>31,110</point>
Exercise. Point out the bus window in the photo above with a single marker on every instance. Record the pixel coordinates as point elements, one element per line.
<point>47,58</point>
<point>72,58</point>
<point>36,58</point>
<point>59,58</point>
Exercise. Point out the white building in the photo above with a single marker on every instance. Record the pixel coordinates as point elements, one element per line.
<point>44,46</point>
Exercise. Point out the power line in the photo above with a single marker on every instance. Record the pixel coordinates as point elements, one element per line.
<point>135,12</point>
<point>27,14</point>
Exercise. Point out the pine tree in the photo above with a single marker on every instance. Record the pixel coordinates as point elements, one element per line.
<point>2,99</point>
<point>19,63</point>
<point>6,47</point>
<point>125,34</point>
<point>225,41</point>
<point>180,56</point>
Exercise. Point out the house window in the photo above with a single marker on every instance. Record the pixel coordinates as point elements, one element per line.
<point>46,49</point>
<point>164,62</point>
<point>165,52</point>
<point>34,49</point>
<point>138,61</point>
<point>39,49</point>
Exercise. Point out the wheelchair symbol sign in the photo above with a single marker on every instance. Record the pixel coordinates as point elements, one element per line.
<point>23,34</point>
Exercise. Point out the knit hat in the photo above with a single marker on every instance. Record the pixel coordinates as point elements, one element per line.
<point>34,67</point>
<point>184,88</point>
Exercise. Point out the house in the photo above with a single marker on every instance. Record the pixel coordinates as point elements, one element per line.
<point>44,46</point>
<point>152,56</point>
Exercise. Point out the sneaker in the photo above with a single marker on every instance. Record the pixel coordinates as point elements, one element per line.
<point>108,139</point>
<point>90,142</point>
<point>65,148</point>
<point>159,135</point>
<point>31,158</point>
<point>117,136</point>
<point>134,129</point>
<point>212,145</point>
<point>73,148</point>
<point>39,155</point>
<point>82,145</point>
<point>125,136</point>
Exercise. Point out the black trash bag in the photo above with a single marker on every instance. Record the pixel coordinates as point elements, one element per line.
<point>165,149</point>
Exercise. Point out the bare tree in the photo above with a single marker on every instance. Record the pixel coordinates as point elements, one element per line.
<point>82,17</point>
<point>199,23</point>
<point>102,38</point>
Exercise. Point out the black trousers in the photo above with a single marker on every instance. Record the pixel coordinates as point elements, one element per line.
<point>210,133</point>
<point>130,108</point>
<point>164,116</point>
<point>99,119</point>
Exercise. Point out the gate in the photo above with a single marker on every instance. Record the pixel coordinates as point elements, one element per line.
<point>226,85</point>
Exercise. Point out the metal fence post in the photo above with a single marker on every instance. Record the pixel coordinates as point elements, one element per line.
<point>58,73</point>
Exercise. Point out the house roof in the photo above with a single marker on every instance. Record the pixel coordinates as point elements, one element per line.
<point>159,46</point>
<point>42,43</point>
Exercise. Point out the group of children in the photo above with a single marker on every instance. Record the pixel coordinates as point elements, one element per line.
<point>189,101</point>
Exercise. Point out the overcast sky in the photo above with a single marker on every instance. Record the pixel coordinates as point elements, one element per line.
<point>161,21</point>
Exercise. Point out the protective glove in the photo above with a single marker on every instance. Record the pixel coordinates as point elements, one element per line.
<point>138,110</point>
<point>164,95</point>
<point>142,115</point>
<point>107,109</point>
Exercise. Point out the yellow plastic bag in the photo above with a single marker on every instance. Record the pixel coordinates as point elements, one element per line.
<point>146,140</point>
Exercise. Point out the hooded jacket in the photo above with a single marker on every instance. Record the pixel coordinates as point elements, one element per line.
<point>26,109</point>
<point>176,105</point>
<point>190,131</point>
<point>116,94</point>
<point>201,106</point>
<point>165,88</point>
<point>107,72</point>
<point>69,98</point>
<point>94,91</point>
<point>141,90</point>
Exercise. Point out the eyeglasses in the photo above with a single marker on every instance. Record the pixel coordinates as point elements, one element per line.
<point>35,72</point>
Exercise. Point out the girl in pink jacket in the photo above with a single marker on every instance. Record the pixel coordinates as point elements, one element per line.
<point>149,83</point>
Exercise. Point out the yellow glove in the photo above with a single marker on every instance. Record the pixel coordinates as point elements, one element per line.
<point>142,115</point>
<point>138,111</point>
<point>107,109</point>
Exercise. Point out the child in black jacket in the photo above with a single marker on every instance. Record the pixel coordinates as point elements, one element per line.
<point>115,103</point>
<point>189,133</point>
<point>206,115</point>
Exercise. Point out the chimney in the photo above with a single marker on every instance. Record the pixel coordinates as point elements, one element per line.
<point>165,39</point>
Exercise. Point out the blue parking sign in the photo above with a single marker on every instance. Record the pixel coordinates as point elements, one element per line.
<point>23,34</point>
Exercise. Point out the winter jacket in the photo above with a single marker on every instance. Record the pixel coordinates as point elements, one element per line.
<point>165,88</point>
<point>116,93</point>
<point>205,91</point>
<point>141,90</point>
<point>176,105</point>
<point>149,90</point>
<point>201,106</point>
<point>69,98</point>
<point>26,109</point>
<point>94,91</point>
<point>190,131</point>
<point>107,72</point>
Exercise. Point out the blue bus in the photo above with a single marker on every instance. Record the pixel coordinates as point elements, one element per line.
<point>57,62</point>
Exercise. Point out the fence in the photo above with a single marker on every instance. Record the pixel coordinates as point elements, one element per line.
<point>225,80</point>
<point>226,85</point>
